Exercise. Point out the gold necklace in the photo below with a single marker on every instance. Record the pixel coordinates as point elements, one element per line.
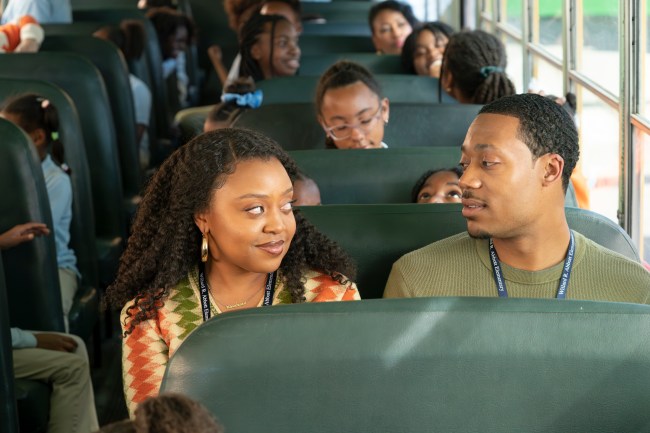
<point>239,304</point>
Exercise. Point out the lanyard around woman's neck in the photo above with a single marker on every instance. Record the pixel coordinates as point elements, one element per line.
<point>564,279</point>
<point>204,290</point>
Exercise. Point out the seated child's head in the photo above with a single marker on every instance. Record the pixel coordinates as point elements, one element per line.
<point>175,30</point>
<point>268,45</point>
<point>290,9</point>
<point>350,107</point>
<point>239,96</point>
<point>305,191</point>
<point>438,186</point>
<point>38,117</point>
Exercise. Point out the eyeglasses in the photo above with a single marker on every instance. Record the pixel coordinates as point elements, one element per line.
<point>341,132</point>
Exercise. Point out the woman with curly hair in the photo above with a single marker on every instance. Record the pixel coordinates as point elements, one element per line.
<point>216,232</point>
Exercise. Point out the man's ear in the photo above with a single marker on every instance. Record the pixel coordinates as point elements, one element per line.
<point>553,168</point>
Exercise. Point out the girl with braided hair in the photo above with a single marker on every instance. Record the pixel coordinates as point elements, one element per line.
<point>269,48</point>
<point>474,68</point>
<point>216,232</point>
<point>39,118</point>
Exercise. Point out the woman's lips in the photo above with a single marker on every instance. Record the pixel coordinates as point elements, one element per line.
<point>274,248</point>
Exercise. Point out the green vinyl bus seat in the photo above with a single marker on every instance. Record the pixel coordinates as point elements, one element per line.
<point>336,28</point>
<point>82,81</point>
<point>160,107</point>
<point>315,44</point>
<point>110,63</point>
<point>85,310</point>
<point>316,64</point>
<point>31,274</point>
<point>420,365</point>
<point>376,236</point>
<point>8,410</point>
<point>141,68</point>
<point>294,126</point>
<point>339,11</point>
<point>397,88</point>
<point>30,268</point>
<point>360,176</point>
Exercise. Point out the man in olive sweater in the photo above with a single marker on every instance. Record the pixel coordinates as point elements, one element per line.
<point>517,157</point>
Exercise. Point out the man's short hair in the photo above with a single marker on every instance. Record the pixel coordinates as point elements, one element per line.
<point>543,125</point>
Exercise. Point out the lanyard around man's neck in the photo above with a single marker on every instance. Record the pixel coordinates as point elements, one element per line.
<point>564,279</point>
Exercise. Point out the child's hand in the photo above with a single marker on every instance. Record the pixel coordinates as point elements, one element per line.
<point>22,233</point>
<point>214,52</point>
<point>27,46</point>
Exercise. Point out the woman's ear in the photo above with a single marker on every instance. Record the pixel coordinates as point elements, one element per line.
<point>201,221</point>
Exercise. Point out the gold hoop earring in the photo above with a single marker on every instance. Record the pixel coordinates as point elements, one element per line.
<point>204,249</point>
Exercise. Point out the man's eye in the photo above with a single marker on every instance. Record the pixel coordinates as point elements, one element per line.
<point>463,165</point>
<point>488,163</point>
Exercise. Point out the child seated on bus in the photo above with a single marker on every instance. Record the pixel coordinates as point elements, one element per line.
<point>239,12</point>
<point>390,23</point>
<point>238,97</point>
<point>40,120</point>
<point>424,48</point>
<point>268,45</point>
<point>438,186</point>
<point>175,32</point>
<point>305,191</point>
<point>474,68</point>
<point>350,107</point>
<point>130,38</point>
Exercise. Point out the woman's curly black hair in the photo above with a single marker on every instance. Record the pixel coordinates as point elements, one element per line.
<point>165,244</point>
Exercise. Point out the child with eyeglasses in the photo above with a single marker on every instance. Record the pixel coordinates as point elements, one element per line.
<point>350,107</point>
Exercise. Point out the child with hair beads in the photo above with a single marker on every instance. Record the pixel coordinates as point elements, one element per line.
<point>238,97</point>
<point>40,120</point>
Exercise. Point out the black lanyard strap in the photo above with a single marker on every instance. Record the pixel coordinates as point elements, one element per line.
<point>204,291</point>
<point>564,279</point>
